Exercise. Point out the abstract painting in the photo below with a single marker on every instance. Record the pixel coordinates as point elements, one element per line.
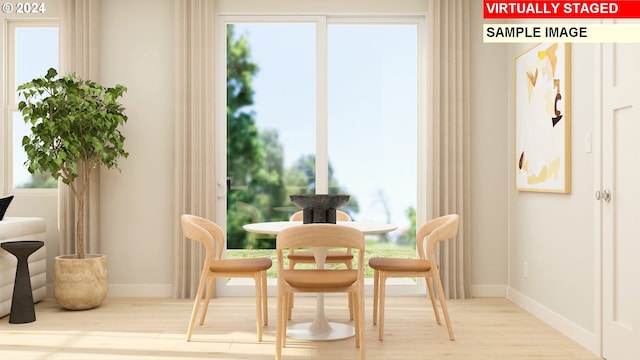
<point>542,119</point>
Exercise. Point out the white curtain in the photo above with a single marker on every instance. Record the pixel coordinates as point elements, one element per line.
<point>79,53</point>
<point>449,170</point>
<point>195,182</point>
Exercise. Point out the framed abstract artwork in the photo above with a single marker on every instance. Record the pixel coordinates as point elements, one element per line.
<point>543,119</point>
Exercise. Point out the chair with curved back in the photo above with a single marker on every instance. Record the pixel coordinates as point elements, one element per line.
<point>212,237</point>
<point>333,256</point>
<point>326,280</point>
<point>432,232</point>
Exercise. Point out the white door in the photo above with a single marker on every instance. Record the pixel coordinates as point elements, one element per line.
<point>621,208</point>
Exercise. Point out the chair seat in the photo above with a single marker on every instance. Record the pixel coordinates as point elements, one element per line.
<point>312,279</point>
<point>334,255</point>
<point>399,264</point>
<point>240,265</point>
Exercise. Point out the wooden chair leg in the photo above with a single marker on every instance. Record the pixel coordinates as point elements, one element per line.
<point>445,311</point>
<point>292,264</point>
<point>434,304</point>
<point>349,266</point>
<point>196,306</point>
<point>285,306</point>
<point>360,312</point>
<point>211,286</point>
<point>381,297</point>
<point>265,305</point>
<point>356,324</point>
<point>279,316</point>
<point>376,276</point>
<point>257,277</point>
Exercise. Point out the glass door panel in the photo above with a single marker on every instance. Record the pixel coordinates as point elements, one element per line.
<point>271,124</point>
<point>372,120</point>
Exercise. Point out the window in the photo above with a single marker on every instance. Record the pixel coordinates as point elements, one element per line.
<point>32,48</point>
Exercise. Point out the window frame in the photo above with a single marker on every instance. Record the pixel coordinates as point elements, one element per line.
<point>10,102</point>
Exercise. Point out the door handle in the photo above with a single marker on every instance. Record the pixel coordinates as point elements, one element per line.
<point>606,195</point>
<point>223,187</point>
<point>598,195</point>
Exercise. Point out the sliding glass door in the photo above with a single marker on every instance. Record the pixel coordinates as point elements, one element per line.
<point>320,105</point>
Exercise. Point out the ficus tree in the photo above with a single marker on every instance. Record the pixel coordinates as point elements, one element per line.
<point>75,129</point>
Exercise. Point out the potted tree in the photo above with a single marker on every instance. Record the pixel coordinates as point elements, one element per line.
<point>74,130</point>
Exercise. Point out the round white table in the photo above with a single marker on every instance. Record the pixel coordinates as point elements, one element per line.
<point>319,329</point>
<point>274,227</point>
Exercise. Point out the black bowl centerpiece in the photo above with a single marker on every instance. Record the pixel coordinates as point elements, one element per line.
<point>319,208</point>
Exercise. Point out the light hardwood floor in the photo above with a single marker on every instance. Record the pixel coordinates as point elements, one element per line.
<point>140,328</point>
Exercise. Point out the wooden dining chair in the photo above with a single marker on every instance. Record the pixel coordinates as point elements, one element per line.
<point>334,256</point>
<point>432,232</point>
<point>327,280</point>
<point>211,235</point>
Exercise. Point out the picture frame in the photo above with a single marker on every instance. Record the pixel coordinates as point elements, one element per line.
<point>543,119</point>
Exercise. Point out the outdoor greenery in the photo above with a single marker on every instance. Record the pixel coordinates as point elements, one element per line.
<point>40,181</point>
<point>74,130</point>
<point>258,183</point>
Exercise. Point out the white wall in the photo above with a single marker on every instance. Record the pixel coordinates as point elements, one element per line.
<point>554,233</point>
<point>136,222</point>
<point>490,152</point>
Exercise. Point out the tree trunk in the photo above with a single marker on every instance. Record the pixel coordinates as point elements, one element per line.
<point>80,227</point>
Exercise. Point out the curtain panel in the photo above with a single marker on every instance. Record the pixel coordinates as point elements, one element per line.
<point>195,182</point>
<point>449,169</point>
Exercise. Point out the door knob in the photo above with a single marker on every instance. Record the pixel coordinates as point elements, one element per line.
<point>606,195</point>
<point>598,195</point>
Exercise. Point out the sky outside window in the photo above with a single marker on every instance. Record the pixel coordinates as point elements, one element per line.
<point>36,51</point>
<point>372,105</point>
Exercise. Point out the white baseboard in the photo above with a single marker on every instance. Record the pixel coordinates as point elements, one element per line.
<point>575,332</point>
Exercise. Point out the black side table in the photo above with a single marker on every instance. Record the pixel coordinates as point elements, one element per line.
<point>22,308</point>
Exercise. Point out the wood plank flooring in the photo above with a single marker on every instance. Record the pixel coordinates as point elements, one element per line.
<point>141,328</point>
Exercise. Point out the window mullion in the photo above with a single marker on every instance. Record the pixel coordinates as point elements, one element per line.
<point>322,152</point>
